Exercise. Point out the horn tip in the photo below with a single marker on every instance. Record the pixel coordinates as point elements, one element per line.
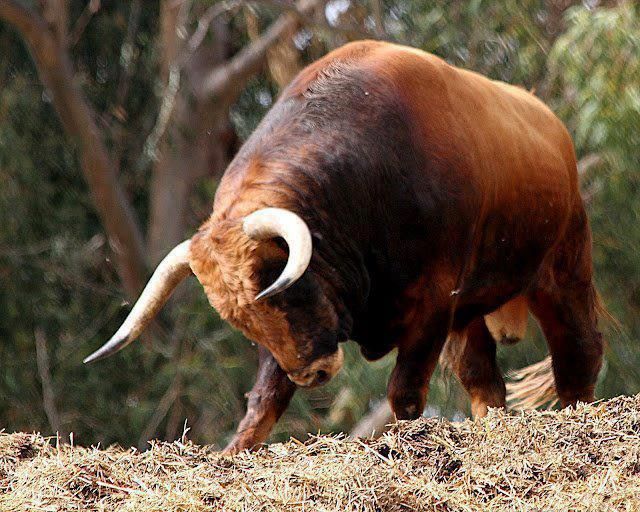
<point>278,286</point>
<point>263,294</point>
<point>96,356</point>
<point>109,348</point>
<point>91,358</point>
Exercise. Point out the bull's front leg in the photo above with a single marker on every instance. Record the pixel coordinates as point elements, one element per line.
<point>409,383</point>
<point>267,400</point>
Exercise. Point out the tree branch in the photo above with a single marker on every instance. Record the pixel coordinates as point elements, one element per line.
<point>378,16</point>
<point>164,405</point>
<point>56,72</point>
<point>164,116</point>
<point>320,22</point>
<point>282,58</point>
<point>48,395</point>
<point>188,140</point>
<point>585,166</point>
<point>229,79</point>
<point>83,20</point>
<point>56,15</point>
<point>205,22</point>
<point>588,163</point>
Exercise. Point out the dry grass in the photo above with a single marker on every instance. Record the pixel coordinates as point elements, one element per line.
<point>584,459</point>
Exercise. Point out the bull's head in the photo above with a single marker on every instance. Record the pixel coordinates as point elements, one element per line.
<point>236,261</point>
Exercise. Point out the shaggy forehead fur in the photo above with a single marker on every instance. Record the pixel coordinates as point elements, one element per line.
<point>225,261</point>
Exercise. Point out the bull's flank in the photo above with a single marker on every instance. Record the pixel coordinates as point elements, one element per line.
<point>583,459</point>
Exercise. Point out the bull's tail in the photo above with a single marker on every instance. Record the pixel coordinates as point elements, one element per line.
<point>534,386</point>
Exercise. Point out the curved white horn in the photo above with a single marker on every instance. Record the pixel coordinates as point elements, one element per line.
<point>171,270</point>
<point>271,222</point>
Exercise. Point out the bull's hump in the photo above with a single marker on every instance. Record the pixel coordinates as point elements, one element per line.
<point>378,57</point>
<point>352,53</point>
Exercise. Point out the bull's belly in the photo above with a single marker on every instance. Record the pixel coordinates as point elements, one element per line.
<point>505,265</point>
<point>377,339</point>
<point>508,254</point>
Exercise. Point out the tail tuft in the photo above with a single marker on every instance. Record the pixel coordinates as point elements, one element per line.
<point>604,314</point>
<point>532,386</point>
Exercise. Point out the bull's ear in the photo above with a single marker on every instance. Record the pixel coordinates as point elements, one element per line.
<point>269,223</point>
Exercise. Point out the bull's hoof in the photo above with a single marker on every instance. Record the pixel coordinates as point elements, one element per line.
<point>240,444</point>
<point>235,449</point>
<point>408,406</point>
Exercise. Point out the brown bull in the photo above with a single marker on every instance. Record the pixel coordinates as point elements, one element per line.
<point>415,198</point>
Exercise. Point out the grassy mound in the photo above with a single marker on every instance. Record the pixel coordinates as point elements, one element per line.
<point>584,459</point>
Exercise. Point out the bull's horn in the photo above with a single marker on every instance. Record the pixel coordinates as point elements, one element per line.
<point>271,222</point>
<point>171,270</point>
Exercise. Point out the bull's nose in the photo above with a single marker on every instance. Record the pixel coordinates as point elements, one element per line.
<point>320,371</point>
<point>322,377</point>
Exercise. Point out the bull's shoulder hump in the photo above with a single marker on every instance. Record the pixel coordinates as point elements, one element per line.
<point>351,53</point>
<point>380,58</point>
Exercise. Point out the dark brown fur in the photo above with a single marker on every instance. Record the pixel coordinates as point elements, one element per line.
<point>434,196</point>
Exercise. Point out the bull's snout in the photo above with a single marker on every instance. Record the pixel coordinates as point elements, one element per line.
<point>319,371</point>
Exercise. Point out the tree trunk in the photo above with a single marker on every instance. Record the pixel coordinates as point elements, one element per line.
<point>56,72</point>
<point>192,147</point>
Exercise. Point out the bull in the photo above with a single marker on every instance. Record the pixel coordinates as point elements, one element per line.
<point>395,200</point>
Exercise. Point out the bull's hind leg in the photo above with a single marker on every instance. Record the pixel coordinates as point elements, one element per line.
<point>267,400</point>
<point>568,319</point>
<point>564,301</point>
<point>471,354</point>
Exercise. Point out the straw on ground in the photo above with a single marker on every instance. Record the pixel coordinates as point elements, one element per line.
<point>583,459</point>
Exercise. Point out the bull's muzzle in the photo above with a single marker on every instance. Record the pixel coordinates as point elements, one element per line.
<point>319,371</point>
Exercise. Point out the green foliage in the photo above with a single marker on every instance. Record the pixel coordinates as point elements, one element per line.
<point>505,40</point>
<point>596,66</point>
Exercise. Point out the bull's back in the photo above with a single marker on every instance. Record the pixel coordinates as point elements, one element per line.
<point>502,136</point>
<point>494,163</point>
<point>512,156</point>
<point>509,159</point>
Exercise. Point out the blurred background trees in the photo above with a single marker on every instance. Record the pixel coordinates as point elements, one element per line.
<point>117,120</point>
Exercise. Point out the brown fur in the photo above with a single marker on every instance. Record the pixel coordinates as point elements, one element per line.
<point>508,323</point>
<point>434,196</point>
<point>225,260</point>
